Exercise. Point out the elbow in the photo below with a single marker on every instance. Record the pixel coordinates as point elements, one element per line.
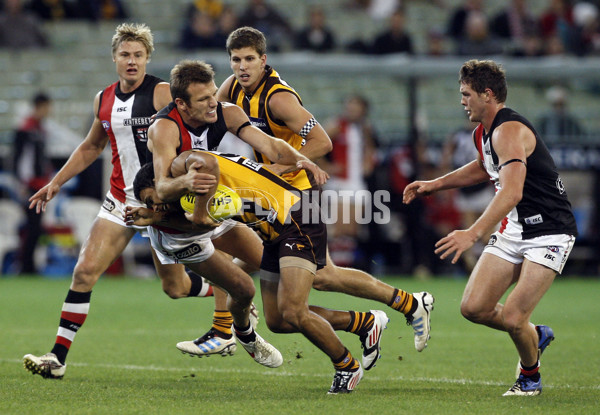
<point>514,198</point>
<point>327,147</point>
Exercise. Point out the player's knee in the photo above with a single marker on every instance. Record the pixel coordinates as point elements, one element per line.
<point>85,276</point>
<point>514,322</point>
<point>324,280</point>
<point>471,312</point>
<point>295,317</point>
<point>276,325</point>
<point>243,293</point>
<point>174,291</point>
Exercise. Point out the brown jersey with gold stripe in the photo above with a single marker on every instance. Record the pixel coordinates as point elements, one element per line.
<point>257,108</point>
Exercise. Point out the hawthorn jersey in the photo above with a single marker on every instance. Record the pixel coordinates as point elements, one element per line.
<point>544,208</point>
<point>206,137</point>
<point>268,200</point>
<point>256,106</point>
<point>126,118</point>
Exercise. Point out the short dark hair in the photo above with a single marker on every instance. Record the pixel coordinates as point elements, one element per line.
<point>40,98</point>
<point>246,37</point>
<point>480,75</point>
<point>144,179</point>
<point>189,72</point>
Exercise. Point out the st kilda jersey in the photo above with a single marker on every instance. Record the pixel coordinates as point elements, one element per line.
<point>544,208</point>
<point>206,137</point>
<point>126,118</point>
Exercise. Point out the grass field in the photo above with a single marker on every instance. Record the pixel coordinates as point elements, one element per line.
<point>123,360</point>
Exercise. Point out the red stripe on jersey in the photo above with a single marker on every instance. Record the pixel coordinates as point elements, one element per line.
<point>184,134</point>
<point>73,317</point>
<point>503,224</point>
<point>117,183</point>
<point>478,138</point>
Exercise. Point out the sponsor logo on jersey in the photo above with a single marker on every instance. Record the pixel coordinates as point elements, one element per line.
<point>534,220</point>
<point>108,204</point>
<point>106,125</point>
<point>136,121</point>
<point>142,134</point>
<point>258,122</point>
<point>251,164</point>
<point>560,186</point>
<point>121,109</point>
<point>299,247</point>
<point>197,142</point>
<point>191,250</point>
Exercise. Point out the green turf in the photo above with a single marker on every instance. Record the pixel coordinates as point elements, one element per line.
<point>124,361</point>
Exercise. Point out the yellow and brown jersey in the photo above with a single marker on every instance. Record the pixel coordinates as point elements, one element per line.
<point>256,107</point>
<point>267,199</point>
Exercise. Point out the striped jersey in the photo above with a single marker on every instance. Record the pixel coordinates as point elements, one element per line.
<point>544,208</point>
<point>126,118</point>
<point>256,106</point>
<point>206,137</point>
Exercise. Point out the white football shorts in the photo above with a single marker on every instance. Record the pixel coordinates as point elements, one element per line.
<point>551,251</point>
<point>114,211</point>
<point>180,248</point>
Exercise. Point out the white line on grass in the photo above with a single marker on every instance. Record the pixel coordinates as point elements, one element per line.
<point>311,375</point>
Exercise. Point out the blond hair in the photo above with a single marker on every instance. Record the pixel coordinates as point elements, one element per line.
<point>133,32</point>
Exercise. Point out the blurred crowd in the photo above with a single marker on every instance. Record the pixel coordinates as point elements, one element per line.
<point>564,27</point>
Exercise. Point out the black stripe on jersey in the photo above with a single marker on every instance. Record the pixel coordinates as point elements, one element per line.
<point>141,111</point>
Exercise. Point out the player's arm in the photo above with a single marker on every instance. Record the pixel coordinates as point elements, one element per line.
<point>467,175</point>
<point>223,92</point>
<point>285,107</point>
<point>163,141</point>
<point>513,142</point>
<point>81,158</point>
<point>141,216</point>
<point>162,96</point>
<point>275,149</point>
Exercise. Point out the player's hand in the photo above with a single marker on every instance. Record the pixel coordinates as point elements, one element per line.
<point>139,216</point>
<point>455,242</point>
<point>204,224</point>
<point>197,181</point>
<point>319,174</point>
<point>416,189</point>
<point>40,199</point>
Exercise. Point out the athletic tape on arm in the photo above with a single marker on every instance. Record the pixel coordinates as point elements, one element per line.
<point>307,127</point>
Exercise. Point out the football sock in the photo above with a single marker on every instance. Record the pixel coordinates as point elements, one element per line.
<point>74,312</point>
<point>403,302</point>
<point>360,322</point>
<point>532,371</point>
<point>200,287</point>
<point>346,362</point>
<point>246,335</point>
<point>222,321</point>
